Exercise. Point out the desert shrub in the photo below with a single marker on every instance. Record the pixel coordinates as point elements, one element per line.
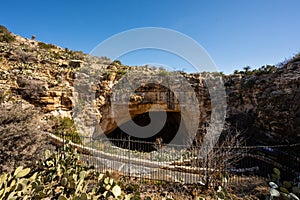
<point>122,72</point>
<point>116,62</point>
<point>21,141</point>
<point>267,69</point>
<point>6,35</point>
<point>31,89</point>
<point>78,55</point>
<point>163,72</point>
<point>225,154</point>
<point>65,127</point>
<point>46,46</point>
<point>236,71</point>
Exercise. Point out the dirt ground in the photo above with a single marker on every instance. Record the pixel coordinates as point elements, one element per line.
<point>246,188</point>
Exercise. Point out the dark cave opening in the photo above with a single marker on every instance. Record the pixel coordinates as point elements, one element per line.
<point>164,136</point>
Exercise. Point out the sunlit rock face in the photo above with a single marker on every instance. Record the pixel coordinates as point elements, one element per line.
<point>263,107</point>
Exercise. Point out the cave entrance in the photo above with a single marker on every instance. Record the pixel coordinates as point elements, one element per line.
<point>164,136</point>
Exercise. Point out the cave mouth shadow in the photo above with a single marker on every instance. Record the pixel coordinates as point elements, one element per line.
<point>123,140</point>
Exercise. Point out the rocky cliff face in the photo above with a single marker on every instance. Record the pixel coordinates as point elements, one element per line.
<point>265,107</point>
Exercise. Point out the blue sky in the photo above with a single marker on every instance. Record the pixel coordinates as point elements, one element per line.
<point>235,33</point>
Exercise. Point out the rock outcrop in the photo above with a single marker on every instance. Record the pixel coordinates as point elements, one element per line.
<point>266,107</point>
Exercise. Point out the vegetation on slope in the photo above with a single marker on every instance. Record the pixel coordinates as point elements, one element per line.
<point>60,176</point>
<point>21,142</point>
<point>6,35</point>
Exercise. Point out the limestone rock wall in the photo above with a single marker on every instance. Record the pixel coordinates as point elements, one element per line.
<point>264,107</point>
<point>267,105</point>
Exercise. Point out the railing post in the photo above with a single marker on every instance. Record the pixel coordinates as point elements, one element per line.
<point>92,149</point>
<point>206,173</point>
<point>129,156</point>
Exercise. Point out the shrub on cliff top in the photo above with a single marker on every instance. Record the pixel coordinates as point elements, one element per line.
<point>6,35</point>
<point>46,46</point>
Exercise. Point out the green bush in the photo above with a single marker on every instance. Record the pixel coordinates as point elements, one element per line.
<point>116,62</point>
<point>163,72</point>
<point>65,127</point>
<point>266,69</point>
<point>46,46</point>
<point>122,72</point>
<point>6,35</point>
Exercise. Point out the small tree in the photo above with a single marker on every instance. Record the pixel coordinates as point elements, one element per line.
<point>247,69</point>
<point>236,71</point>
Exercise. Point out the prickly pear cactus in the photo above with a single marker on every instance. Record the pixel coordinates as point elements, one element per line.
<point>60,176</point>
<point>284,189</point>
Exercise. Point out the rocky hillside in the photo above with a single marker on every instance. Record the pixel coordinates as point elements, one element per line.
<point>264,105</point>
<point>267,105</point>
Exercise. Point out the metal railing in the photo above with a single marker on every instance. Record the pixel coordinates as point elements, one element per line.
<point>151,160</point>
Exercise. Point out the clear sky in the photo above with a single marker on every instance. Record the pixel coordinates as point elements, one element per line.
<point>235,33</point>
